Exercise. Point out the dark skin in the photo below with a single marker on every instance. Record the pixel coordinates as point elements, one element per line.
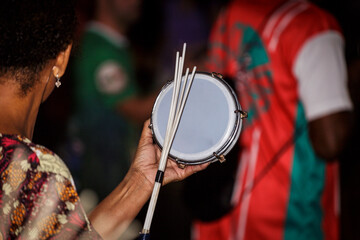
<point>329,134</point>
<point>112,216</point>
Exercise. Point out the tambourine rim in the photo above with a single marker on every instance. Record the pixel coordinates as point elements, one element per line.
<point>230,142</point>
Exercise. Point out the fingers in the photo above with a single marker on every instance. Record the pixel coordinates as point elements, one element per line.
<point>189,170</point>
<point>201,167</point>
<point>146,135</point>
<point>174,173</point>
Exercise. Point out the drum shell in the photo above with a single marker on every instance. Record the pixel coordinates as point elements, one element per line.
<point>220,153</point>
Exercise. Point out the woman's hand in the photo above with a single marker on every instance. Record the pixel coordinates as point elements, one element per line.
<point>113,215</point>
<point>146,161</point>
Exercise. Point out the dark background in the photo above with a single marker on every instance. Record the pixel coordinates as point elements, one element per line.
<point>171,219</point>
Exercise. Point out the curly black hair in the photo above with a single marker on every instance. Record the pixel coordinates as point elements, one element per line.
<point>33,32</point>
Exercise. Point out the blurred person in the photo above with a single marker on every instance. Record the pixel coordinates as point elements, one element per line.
<point>38,199</point>
<point>109,107</point>
<point>286,60</point>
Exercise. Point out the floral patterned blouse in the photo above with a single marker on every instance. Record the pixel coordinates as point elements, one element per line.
<point>38,199</point>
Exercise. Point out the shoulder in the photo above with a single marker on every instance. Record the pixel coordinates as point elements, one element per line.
<point>107,64</point>
<point>311,20</point>
<point>96,43</point>
<point>95,50</point>
<point>37,190</point>
<point>31,157</point>
<point>299,26</point>
<point>25,166</point>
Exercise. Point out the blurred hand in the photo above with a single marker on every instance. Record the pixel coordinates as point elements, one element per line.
<point>147,158</point>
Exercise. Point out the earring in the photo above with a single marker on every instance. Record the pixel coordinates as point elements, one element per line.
<point>57,83</point>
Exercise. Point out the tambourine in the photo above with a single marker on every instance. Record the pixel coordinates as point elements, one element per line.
<point>210,124</point>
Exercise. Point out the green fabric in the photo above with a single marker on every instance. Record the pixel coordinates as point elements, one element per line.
<point>304,214</point>
<point>255,56</point>
<point>108,138</point>
<point>95,49</point>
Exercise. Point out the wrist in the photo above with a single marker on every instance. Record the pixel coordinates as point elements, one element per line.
<point>113,215</point>
<point>137,177</point>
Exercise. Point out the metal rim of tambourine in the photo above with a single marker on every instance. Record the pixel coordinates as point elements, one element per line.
<point>228,145</point>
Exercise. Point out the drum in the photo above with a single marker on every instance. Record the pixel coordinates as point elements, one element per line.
<point>210,124</point>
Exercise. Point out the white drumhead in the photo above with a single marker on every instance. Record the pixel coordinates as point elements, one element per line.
<point>207,123</point>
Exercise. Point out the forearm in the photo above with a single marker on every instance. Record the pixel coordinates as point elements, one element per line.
<point>113,215</point>
<point>329,134</point>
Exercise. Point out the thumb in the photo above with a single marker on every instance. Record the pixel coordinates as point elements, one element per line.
<point>146,135</point>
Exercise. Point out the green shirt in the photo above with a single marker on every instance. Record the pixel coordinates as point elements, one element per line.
<point>104,76</point>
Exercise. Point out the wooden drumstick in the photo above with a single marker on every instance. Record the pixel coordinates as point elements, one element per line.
<point>181,109</point>
<point>176,110</point>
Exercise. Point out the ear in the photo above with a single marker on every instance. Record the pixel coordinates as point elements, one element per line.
<point>61,62</point>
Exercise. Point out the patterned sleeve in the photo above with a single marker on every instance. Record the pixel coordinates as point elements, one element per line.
<point>37,197</point>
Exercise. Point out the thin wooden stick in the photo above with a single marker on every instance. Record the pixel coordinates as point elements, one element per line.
<point>181,109</point>
<point>173,111</point>
<point>178,63</point>
<point>184,84</point>
<point>176,110</point>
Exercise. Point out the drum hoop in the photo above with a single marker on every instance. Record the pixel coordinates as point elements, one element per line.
<point>227,146</point>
